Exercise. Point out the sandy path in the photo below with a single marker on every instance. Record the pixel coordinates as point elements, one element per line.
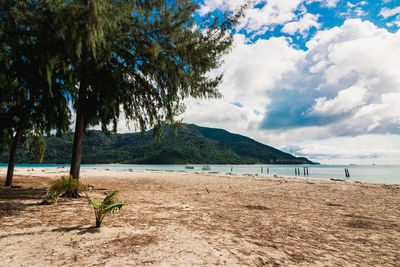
<point>202,219</point>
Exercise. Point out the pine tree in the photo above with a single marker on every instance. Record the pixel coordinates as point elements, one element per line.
<point>33,101</point>
<point>142,57</point>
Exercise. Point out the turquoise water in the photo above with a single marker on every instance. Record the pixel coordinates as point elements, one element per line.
<point>363,173</point>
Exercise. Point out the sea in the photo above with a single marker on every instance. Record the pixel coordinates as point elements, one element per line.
<point>389,174</point>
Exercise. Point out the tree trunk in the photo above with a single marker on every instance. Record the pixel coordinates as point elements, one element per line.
<point>78,137</point>
<point>77,146</point>
<point>11,160</point>
<point>80,120</point>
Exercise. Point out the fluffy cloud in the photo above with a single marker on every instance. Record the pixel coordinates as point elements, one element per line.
<point>327,3</point>
<point>303,25</point>
<point>345,88</point>
<point>264,15</point>
<point>335,102</point>
<point>387,12</point>
<point>346,72</point>
<point>272,12</point>
<point>251,70</point>
<point>362,149</point>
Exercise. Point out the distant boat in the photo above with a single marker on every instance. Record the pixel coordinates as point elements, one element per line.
<point>189,167</point>
<point>206,168</point>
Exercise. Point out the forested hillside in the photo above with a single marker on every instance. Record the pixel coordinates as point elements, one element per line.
<point>192,144</point>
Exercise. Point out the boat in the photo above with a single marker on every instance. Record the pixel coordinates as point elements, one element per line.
<point>189,167</point>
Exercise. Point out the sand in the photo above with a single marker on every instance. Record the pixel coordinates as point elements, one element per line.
<point>194,219</point>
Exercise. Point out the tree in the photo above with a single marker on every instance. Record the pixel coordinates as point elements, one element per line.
<point>33,101</point>
<point>142,57</point>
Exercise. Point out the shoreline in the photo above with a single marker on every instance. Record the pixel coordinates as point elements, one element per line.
<point>60,171</point>
<point>184,218</point>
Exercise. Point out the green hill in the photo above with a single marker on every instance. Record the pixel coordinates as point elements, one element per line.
<point>192,144</point>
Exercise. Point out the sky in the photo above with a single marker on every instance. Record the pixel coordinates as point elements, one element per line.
<point>315,78</point>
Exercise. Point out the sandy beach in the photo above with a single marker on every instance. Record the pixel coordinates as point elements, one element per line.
<point>198,219</point>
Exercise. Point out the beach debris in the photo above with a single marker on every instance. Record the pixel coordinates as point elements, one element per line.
<point>130,170</point>
<point>186,207</point>
<point>342,240</point>
<point>334,205</point>
<point>208,192</point>
<point>337,180</point>
<point>256,207</point>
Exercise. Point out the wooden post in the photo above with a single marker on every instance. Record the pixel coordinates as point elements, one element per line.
<point>231,169</point>
<point>267,170</point>
<point>346,172</point>
<point>307,171</point>
<point>295,171</point>
<point>261,169</point>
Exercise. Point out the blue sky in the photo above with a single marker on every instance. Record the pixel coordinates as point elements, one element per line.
<point>316,78</point>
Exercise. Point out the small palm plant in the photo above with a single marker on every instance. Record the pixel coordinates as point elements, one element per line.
<point>107,206</point>
<point>62,186</point>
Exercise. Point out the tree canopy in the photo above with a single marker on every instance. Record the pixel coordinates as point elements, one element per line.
<point>140,57</point>
<point>32,100</point>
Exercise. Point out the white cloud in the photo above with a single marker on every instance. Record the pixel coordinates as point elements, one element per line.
<point>345,87</point>
<point>362,149</point>
<point>273,12</point>
<point>210,5</point>
<point>387,12</point>
<point>262,15</point>
<point>348,77</point>
<point>346,100</point>
<point>250,71</point>
<point>327,3</point>
<point>303,25</point>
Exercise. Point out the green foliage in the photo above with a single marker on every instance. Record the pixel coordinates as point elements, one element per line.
<point>106,207</point>
<point>62,185</point>
<point>192,144</point>
<point>33,98</point>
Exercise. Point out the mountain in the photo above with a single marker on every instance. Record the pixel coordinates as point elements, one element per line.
<point>193,144</point>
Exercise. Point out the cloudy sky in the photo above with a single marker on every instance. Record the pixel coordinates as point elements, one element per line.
<point>315,78</point>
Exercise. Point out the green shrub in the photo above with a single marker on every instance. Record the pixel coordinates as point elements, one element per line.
<point>107,206</point>
<point>63,186</point>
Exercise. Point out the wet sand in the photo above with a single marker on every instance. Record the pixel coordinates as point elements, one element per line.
<point>178,218</point>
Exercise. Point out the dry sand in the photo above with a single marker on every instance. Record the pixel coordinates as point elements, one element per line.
<point>177,218</point>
